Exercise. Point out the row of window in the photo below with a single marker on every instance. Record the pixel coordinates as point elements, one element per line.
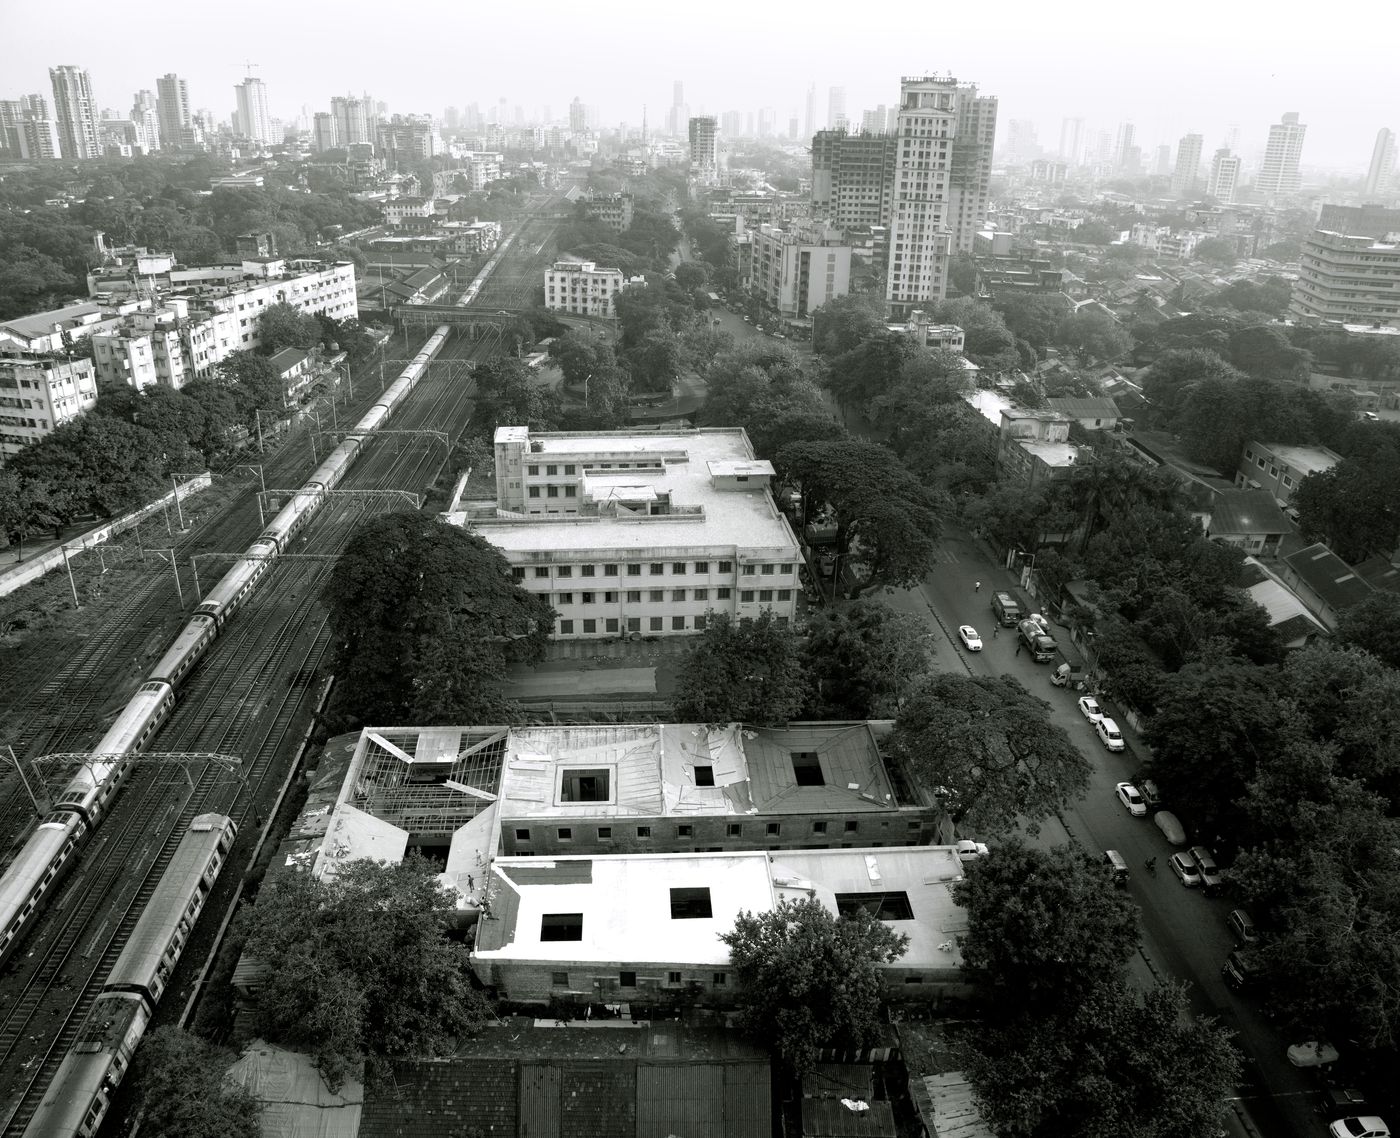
<point>659,596</point>
<point>656,569</point>
<point>634,624</point>
<point>687,830</point>
<point>628,979</point>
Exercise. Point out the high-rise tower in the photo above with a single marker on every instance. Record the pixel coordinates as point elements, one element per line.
<point>1279,173</point>
<point>970,172</point>
<point>75,112</point>
<point>920,238</point>
<point>1224,177</point>
<point>173,105</point>
<point>253,118</point>
<point>836,108</point>
<point>1382,168</point>
<point>1188,165</point>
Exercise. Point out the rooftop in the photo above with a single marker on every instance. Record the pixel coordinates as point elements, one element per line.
<point>1093,407</point>
<point>1331,578</point>
<point>1247,512</point>
<point>1304,459</point>
<point>672,908</point>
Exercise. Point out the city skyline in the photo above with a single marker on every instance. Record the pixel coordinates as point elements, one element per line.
<point>1283,71</point>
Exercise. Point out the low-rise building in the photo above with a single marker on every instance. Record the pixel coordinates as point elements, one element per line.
<point>582,287</point>
<point>1280,467</point>
<point>1034,446</point>
<point>1247,519</point>
<point>634,532</point>
<point>940,337</point>
<point>648,926</point>
<point>397,210</point>
<point>1326,583</point>
<point>1093,412</point>
<point>613,210</point>
<point>797,269</point>
<point>39,394</point>
<point>294,368</point>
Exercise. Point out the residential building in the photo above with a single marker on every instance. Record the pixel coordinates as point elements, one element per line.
<point>296,370</point>
<point>254,120</point>
<point>1380,174</point>
<point>56,330</point>
<point>940,337</point>
<point>1279,467</point>
<point>1092,413</point>
<point>578,116</point>
<point>1034,446</point>
<point>970,172</point>
<point>1188,165</point>
<point>1324,582</point>
<point>1224,181</point>
<point>613,210</point>
<point>1046,170</point>
<point>399,210</point>
<point>148,348</point>
<point>75,112</point>
<point>173,112</point>
<point>480,168</point>
<point>798,268</point>
<point>635,532</point>
<point>1288,615</point>
<point>145,116</point>
<point>836,109</point>
<point>689,787</point>
<point>582,287</point>
<point>704,145</point>
<point>323,136</point>
<point>920,239</point>
<point>1278,176</point>
<point>27,130</point>
<point>409,139</point>
<point>1072,140</point>
<point>351,117</point>
<point>37,395</point>
<point>1347,279</point>
<point>1247,519</point>
<point>648,926</point>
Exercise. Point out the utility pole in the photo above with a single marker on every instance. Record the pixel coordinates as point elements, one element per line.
<point>64,550</point>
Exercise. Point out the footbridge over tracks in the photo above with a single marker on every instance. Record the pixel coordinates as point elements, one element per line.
<point>431,315</point>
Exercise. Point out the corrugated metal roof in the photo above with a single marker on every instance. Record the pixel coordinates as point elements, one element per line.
<point>677,1099</point>
<point>1247,512</point>
<point>1328,576</point>
<point>853,774</point>
<point>1085,407</point>
<point>831,1118</point>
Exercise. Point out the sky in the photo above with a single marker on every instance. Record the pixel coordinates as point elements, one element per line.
<point>1190,65</point>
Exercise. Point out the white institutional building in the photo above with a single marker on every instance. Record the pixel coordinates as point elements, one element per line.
<point>636,532</point>
<point>581,287</point>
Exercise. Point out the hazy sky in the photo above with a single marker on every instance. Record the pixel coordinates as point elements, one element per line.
<point>1170,68</point>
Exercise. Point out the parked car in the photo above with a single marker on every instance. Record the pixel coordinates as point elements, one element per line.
<point>1117,865</point>
<point>1210,872</point>
<point>1365,1126</point>
<point>1171,827</point>
<point>1150,794</point>
<point>1184,866</point>
<point>1130,798</point>
<point>968,850</point>
<point>1241,924</point>
<point>1109,735</point>
<point>968,635</point>
<point>1090,709</point>
<point>1339,1102</point>
<point>1242,970</point>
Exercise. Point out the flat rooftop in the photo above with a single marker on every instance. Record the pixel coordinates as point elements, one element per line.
<point>673,908</point>
<point>703,513</point>
<point>1306,459</point>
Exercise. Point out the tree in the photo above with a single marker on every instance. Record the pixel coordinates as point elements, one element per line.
<point>862,659</point>
<point>809,980</point>
<point>181,1090</point>
<point>1354,506</point>
<point>410,595</point>
<point>1374,624</point>
<point>254,383</point>
<point>1118,1062</point>
<point>656,361</point>
<point>1029,316</point>
<point>987,340</point>
<point>1263,350</point>
<point>1093,335</point>
<point>886,521</point>
<point>845,323</point>
<point>857,376</point>
<point>509,394</point>
<point>1216,251</point>
<point>360,966</point>
<point>746,671</point>
<point>1043,928</point>
<point>1267,295</point>
<point>985,746</point>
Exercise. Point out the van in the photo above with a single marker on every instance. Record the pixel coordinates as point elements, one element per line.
<point>1109,734</point>
<point>1117,866</point>
<point>1241,924</point>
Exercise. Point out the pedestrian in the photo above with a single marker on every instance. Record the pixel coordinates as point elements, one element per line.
<point>977,588</point>
<point>1018,647</point>
<point>996,630</point>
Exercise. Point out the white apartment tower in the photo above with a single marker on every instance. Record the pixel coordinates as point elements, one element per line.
<point>173,103</point>
<point>1382,168</point>
<point>323,132</point>
<point>1279,173</point>
<point>1188,165</point>
<point>75,112</point>
<point>969,179</point>
<point>836,108</point>
<point>920,237</point>
<point>351,120</point>
<point>1224,177</point>
<point>253,118</point>
<point>704,144</point>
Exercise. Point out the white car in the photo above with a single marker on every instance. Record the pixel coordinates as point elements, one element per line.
<point>968,635</point>
<point>1128,795</point>
<point>1090,709</point>
<point>1367,1126</point>
<point>968,850</point>
<point>1109,735</point>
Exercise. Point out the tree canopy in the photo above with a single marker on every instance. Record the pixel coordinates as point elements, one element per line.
<point>423,617</point>
<point>181,1089</point>
<point>862,659</point>
<point>360,966</point>
<point>747,670</point>
<point>808,979</point>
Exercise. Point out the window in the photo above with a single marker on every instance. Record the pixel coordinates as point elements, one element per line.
<point>734,830</point>
<point>913,979</point>
<point>610,624</point>
<point>702,566</point>
<point>634,570</point>
<point>605,833</point>
<point>564,571</point>
<point>587,570</point>
<point>551,492</point>
<point>678,594</point>
<point>685,831</point>
<point>542,571</point>
<point>569,469</point>
<point>678,567</point>
<point>587,598</point>
<point>701,594</point>
<point>726,567</point>
<point>700,622</point>
<point>881,906</point>
<point>522,835</point>
<point>678,624</point>
<point>534,491</point>
<point>634,596</point>
<point>673,977</point>
<point>518,572</point>
<point>656,623</point>
<point>571,491</point>
<point>610,597</point>
<point>559,979</point>
<point>656,596</point>
<point>551,469</point>
<point>579,784</point>
<point>609,570</point>
<point>690,904</point>
<point>720,979</point>
<point>807,768</point>
<point>566,628</point>
<point>769,570</point>
<point>643,831</point>
<point>746,596</point>
<point>566,833</point>
<point>852,826</point>
<point>566,598</point>
<point>626,979</point>
<point>634,624</point>
<point>561,926</point>
<point>765,595</point>
<point>657,568</point>
<point>590,627</point>
<point>748,570</point>
<point>818,827</point>
<point>723,593</point>
<point>774,829</point>
<point>532,471</point>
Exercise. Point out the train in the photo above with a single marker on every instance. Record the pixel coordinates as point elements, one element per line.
<point>76,1101</point>
<point>87,797</point>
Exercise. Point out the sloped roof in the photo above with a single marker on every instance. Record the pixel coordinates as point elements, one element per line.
<point>1380,573</point>
<point>1247,512</point>
<point>286,359</point>
<point>1331,578</point>
<point>1085,407</point>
